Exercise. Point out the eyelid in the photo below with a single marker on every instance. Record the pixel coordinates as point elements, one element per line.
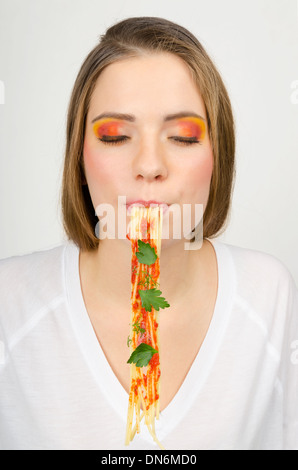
<point>114,140</point>
<point>118,140</point>
<point>192,127</point>
<point>108,126</point>
<point>185,140</point>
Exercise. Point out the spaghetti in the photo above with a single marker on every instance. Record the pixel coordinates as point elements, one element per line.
<point>146,227</point>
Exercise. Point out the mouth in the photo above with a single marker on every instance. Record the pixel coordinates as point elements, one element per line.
<point>142,203</point>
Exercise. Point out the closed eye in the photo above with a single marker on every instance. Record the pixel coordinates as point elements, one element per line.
<point>113,140</point>
<point>116,140</point>
<point>185,140</point>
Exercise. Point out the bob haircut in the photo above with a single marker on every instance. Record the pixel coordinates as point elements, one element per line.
<point>135,37</point>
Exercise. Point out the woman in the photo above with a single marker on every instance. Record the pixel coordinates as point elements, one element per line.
<point>149,120</point>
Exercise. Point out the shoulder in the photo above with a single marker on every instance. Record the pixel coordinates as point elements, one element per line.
<point>264,284</point>
<point>21,270</point>
<point>29,283</point>
<point>258,269</point>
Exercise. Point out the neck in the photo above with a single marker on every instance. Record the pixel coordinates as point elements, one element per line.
<point>107,271</point>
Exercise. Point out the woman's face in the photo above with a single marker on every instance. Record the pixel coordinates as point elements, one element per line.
<point>146,135</point>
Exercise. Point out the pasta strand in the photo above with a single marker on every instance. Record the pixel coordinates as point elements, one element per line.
<point>146,225</point>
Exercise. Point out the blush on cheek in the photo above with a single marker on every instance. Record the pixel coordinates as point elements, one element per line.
<point>99,175</point>
<point>88,152</point>
<point>200,178</point>
<point>203,170</point>
<point>100,171</point>
<point>94,165</point>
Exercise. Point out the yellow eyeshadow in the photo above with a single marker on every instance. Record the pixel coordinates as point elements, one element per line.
<point>192,127</point>
<point>109,127</point>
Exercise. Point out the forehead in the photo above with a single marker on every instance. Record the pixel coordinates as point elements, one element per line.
<point>159,81</point>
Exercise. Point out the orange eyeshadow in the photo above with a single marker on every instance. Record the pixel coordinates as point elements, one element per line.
<point>109,127</point>
<point>192,127</point>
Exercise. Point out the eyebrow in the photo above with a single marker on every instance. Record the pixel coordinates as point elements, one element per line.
<point>132,118</point>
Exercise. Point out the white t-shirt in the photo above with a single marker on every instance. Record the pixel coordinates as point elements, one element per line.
<point>57,390</point>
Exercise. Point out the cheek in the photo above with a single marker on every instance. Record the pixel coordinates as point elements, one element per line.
<point>101,176</point>
<point>200,176</point>
<point>96,168</point>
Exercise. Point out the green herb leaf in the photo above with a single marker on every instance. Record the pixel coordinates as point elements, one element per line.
<point>148,280</point>
<point>151,298</point>
<point>137,328</point>
<point>146,253</point>
<point>142,355</point>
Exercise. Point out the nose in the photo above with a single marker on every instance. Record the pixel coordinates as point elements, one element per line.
<point>150,162</point>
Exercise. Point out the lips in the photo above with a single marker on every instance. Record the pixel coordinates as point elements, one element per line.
<point>142,203</point>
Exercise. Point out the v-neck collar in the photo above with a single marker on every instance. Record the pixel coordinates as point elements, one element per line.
<point>102,372</point>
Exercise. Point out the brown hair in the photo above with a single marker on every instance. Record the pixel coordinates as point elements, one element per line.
<point>130,38</point>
